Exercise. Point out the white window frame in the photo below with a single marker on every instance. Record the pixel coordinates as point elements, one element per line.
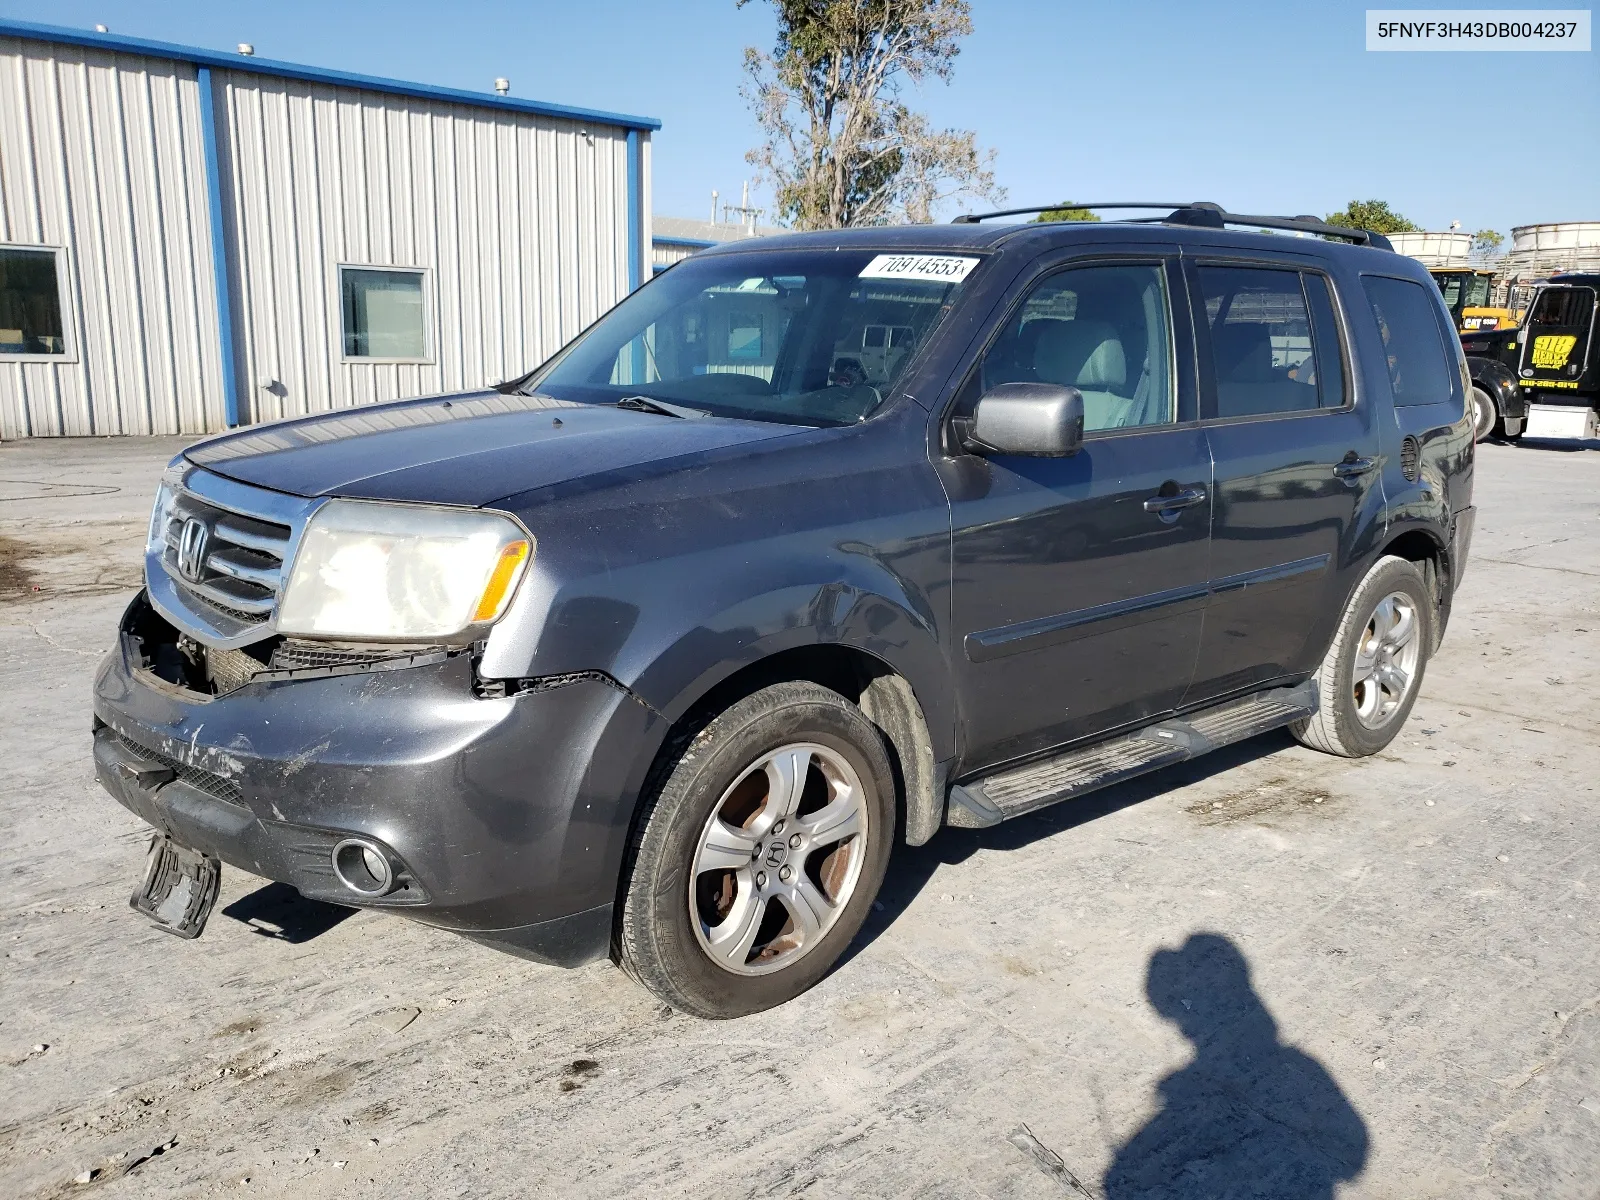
<point>64,295</point>
<point>429,357</point>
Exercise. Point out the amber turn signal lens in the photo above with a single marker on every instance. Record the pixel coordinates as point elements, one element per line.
<point>502,581</point>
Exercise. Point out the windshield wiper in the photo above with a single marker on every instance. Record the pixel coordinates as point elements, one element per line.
<point>649,404</point>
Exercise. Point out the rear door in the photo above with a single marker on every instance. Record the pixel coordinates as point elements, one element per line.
<point>1560,334</point>
<point>1078,584</point>
<point>1296,463</point>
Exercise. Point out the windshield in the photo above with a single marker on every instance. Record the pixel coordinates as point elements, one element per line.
<point>809,337</point>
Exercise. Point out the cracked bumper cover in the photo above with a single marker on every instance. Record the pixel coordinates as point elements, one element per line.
<point>510,815</point>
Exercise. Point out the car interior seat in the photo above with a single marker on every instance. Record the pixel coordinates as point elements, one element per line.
<point>1087,355</point>
<point>1247,382</point>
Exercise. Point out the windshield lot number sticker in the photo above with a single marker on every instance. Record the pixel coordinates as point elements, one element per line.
<point>944,268</point>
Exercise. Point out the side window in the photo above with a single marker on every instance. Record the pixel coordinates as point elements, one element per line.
<point>1328,342</point>
<point>30,302</point>
<point>1103,330</point>
<point>1563,307</point>
<point>1263,353</point>
<point>1450,289</point>
<point>1420,370</point>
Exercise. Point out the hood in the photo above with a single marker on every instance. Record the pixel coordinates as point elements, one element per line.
<point>472,449</point>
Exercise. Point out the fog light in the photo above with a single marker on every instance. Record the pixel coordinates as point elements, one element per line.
<point>362,867</point>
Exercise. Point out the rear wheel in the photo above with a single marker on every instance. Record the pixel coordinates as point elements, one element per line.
<point>1372,672</point>
<point>1484,414</point>
<point>760,855</point>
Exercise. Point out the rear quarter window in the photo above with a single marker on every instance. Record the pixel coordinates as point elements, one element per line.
<point>1420,366</point>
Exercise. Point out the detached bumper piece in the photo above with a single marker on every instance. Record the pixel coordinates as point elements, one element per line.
<point>198,811</point>
<point>180,887</point>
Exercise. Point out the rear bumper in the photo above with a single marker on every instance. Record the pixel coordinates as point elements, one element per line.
<point>1461,543</point>
<point>505,818</point>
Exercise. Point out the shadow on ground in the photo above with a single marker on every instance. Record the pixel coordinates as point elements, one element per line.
<point>278,911</point>
<point>912,866</point>
<point>1248,1115</point>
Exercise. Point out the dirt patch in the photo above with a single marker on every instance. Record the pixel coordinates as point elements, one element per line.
<point>326,1087</point>
<point>16,580</point>
<point>1280,796</point>
<point>71,560</point>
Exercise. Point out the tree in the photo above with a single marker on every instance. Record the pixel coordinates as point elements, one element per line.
<point>1374,215</point>
<point>840,146</point>
<point>1487,241</point>
<point>1067,213</point>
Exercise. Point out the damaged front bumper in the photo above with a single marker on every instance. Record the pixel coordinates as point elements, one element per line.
<point>504,817</point>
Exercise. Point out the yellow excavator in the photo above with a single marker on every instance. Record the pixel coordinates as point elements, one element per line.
<point>1467,294</point>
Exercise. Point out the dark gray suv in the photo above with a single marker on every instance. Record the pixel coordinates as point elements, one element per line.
<point>814,543</point>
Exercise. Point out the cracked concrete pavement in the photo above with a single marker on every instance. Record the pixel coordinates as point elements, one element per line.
<point>1268,972</point>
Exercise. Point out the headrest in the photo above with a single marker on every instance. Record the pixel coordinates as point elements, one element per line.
<point>1244,352</point>
<point>1084,354</point>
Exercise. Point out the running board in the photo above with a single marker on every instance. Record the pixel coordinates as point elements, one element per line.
<point>1039,784</point>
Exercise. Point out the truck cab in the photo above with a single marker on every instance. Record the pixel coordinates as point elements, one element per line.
<point>1558,366</point>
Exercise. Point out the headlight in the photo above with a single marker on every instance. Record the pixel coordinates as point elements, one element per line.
<point>402,572</point>
<point>160,516</point>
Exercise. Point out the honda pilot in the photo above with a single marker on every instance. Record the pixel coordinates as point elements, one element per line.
<point>811,546</point>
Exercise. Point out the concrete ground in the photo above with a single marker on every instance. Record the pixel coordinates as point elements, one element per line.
<point>1258,974</point>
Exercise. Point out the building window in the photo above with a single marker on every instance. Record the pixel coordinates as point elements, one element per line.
<point>384,314</point>
<point>31,318</point>
<point>744,336</point>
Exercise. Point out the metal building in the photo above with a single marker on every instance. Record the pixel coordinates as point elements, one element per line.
<point>674,239</point>
<point>192,240</point>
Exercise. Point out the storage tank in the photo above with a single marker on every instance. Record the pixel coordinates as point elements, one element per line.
<point>1433,249</point>
<point>1562,235</point>
<point>1541,250</point>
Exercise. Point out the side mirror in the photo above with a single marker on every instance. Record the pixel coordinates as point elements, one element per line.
<point>1041,419</point>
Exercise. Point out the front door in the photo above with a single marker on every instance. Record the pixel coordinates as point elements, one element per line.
<point>1078,584</point>
<point>1297,465</point>
<point>1557,343</point>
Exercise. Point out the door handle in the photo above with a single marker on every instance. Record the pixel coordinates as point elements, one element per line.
<point>1353,465</point>
<point>1177,501</point>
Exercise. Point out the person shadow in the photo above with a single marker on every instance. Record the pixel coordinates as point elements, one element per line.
<point>1249,1115</point>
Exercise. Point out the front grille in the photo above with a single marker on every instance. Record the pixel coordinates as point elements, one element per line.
<point>237,570</point>
<point>198,778</point>
<point>294,655</point>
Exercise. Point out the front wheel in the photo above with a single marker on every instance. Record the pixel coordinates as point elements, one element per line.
<point>1372,672</point>
<point>1484,414</point>
<point>760,854</point>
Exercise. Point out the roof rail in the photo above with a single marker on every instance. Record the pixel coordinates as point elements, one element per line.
<point>974,218</point>
<point>1207,215</point>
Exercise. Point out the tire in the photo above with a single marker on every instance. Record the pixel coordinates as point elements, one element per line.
<point>1363,706</point>
<point>1485,414</point>
<point>727,911</point>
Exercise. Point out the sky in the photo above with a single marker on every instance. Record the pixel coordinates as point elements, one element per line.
<point>1261,107</point>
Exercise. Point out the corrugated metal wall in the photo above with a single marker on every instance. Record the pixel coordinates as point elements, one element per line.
<point>664,254</point>
<point>100,153</point>
<point>520,219</point>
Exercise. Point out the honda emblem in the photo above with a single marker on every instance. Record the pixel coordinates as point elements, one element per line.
<point>192,545</point>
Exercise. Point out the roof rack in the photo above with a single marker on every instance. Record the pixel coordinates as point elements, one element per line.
<point>1205,214</point>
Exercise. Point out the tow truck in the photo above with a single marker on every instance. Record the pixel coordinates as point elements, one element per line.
<point>1542,380</point>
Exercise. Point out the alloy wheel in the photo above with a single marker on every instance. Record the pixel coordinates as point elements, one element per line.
<point>1386,660</point>
<point>778,859</point>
